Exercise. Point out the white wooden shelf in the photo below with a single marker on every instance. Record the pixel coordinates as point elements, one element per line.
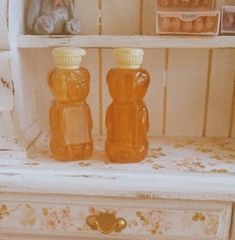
<point>176,168</point>
<point>105,41</point>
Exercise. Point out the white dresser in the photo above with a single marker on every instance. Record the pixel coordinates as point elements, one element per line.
<point>185,189</point>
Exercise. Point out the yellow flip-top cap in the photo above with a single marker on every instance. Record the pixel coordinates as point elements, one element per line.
<point>67,57</point>
<point>129,57</point>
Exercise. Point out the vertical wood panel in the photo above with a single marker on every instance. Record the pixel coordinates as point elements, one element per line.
<point>154,60</point>
<point>186,91</point>
<point>232,127</point>
<point>3,24</point>
<point>88,15</point>
<point>25,86</point>
<point>91,62</point>
<point>7,131</point>
<point>232,231</point>
<point>149,17</point>
<point>108,63</point>
<point>44,63</point>
<point>6,85</point>
<point>221,93</point>
<point>120,17</point>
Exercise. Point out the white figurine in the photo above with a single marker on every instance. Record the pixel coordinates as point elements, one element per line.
<point>198,25</point>
<point>52,17</point>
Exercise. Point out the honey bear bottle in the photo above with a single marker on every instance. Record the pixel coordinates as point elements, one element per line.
<point>70,116</point>
<point>127,120</point>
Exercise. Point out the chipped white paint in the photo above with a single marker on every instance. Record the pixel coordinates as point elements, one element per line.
<point>32,184</point>
<point>172,167</point>
<point>6,84</point>
<point>8,139</point>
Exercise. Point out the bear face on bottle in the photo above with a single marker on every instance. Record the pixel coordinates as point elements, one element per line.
<point>72,86</point>
<point>129,86</point>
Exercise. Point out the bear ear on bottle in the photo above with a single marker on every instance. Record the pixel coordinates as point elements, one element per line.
<point>70,115</point>
<point>127,119</point>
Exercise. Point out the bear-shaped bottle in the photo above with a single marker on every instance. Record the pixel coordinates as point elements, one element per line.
<point>70,116</point>
<point>127,120</point>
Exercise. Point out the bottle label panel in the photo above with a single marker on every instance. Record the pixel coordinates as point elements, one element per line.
<point>76,129</point>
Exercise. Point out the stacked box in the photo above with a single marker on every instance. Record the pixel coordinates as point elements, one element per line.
<point>228,20</point>
<point>187,17</point>
<point>185,5</point>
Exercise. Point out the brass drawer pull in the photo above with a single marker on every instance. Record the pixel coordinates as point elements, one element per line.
<point>106,223</point>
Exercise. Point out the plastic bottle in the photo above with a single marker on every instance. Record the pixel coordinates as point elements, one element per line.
<point>70,116</point>
<point>127,120</point>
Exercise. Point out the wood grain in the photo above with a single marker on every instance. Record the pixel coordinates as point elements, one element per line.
<point>154,61</point>
<point>4,41</point>
<point>186,92</point>
<point>120,17</point>
<point>88,14</point>
<point>221,93</point>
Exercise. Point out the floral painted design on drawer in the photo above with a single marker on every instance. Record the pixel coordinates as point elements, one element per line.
<point>71,219</point>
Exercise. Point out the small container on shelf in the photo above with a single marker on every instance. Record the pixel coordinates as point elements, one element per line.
<point>188,23</point>
<point>228,19</point>
<point>185,5</point>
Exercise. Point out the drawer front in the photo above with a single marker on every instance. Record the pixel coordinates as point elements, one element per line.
<point>117,218</point>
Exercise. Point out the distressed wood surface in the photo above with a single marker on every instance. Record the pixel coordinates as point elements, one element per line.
<point>186,92</point>
<point>6,84</point>
<point>172,167</point>
<point>232,230</point>
<point>8,139</point>
<point>221,93</point>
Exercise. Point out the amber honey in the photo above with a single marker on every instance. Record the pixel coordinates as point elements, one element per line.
<point>70,116</point>
<point>127,119</point>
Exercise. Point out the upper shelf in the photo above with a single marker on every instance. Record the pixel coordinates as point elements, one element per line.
<point>104,41</point>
